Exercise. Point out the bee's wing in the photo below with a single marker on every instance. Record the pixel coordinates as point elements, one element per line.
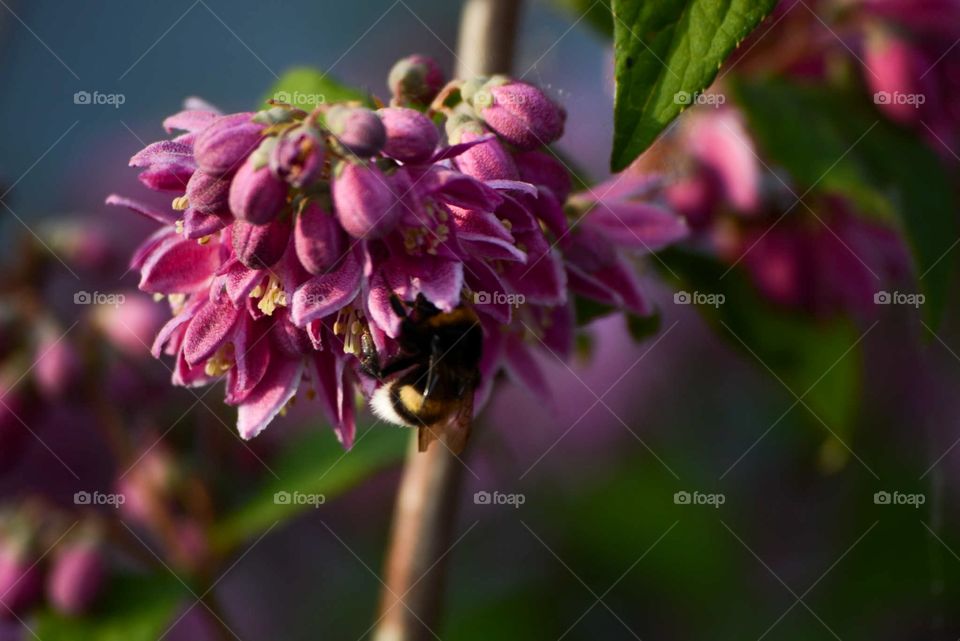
<point>454,431</point>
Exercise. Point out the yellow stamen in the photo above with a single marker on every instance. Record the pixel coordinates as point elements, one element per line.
<point>274,297</point>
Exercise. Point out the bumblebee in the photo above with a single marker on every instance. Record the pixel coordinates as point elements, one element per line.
<point>430,383</point>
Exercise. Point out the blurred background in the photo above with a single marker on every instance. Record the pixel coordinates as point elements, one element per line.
<point>681,486</point>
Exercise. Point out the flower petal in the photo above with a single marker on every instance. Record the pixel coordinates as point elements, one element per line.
<point>166,217</point>
<point>178,265</point>
<point>251,348</point>
<point>189,120</point>
<point>209,330</point>
<point>271,394</point>
<point>637,225</point>
<point>166,341</point>
<point>322,295</point>
<point>524,369</point>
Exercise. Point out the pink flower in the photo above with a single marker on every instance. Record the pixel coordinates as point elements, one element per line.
<point>288,285</point>
<point>21,582</point>
<point>613,225</point>
<point>76,578</point>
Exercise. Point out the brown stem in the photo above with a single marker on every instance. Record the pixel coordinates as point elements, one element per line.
<point>487,34</point>
<point>422,523</point>
<point>426,504</point>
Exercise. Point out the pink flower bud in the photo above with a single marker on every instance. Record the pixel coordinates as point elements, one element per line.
<point>520,113</point>
<point>318,239</point>
<point>895,66</point>
<point>208,193</point>
<point>358,129</point>
<point>411,136</point>
<point>76,578</point>
<point>256,195</point>
<point>298,157</point>
<point>130,327</point>
<point>544,169</point>
<point>486,161</point>
<point>366,204</point>
<point>415,79</point>
<point>221,147</point>
<point>57,364</point>
<point>21,582</point>
<point>260,246</point>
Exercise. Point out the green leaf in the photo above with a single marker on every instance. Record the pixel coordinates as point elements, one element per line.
<point>643,327</point>
<point>845,147</point>
<point>136,608</point>
<point>316,464</point>
<point>819,360</point>
<point>665,49</point>
<point>305,88</point>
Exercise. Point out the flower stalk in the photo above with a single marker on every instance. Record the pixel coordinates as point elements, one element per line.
<point>426,504</point>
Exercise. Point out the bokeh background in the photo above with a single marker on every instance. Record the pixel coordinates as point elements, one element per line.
<point>599,548</point>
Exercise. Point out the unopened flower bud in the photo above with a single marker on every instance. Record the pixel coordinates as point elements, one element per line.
<point>221,147</point>
<point>358,129</point>
<point>415,80</point>
<point>519,113</point>
<point>76,578</point>
<point>485,161</point>
<point>260,246</point>
<point>318,239</point>
<point>895,68</point>
<point>366,204</point>
<point>411,136</point>
<point>256,195</point>
<point>298,156</point>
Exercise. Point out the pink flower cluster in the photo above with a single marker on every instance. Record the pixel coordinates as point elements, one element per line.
<point>818,256</point>
<point>70,578</point>
<point>291,235</point>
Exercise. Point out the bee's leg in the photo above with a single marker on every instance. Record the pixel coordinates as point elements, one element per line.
<point>397,305</point>
<point>398,364</point>
<point>432,365</point>
<point>369,359</point>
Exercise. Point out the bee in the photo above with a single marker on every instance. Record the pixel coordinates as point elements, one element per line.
<point>430,383</point>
